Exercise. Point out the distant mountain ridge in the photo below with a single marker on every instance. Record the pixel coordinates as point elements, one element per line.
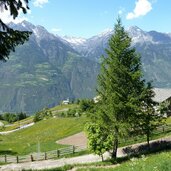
<point>48,69</point>
<point>154,48</point>
<point>43,72</point>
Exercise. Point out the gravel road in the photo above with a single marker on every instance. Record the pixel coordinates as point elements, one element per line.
<point>47,164</point>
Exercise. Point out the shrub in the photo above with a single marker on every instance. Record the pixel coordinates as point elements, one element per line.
<point>86,105</point>
<point>13,117</point>
<point>45,113</point>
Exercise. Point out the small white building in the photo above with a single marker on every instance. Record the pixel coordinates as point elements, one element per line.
<point>65,101</point>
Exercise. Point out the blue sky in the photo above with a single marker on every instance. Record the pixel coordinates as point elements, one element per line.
<point>85,18</point>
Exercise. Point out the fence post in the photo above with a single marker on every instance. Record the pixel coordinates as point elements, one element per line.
<point>5,158</point>
<point>73,149</point>
<point>17,159</point>
<point>58,153</point>
<point>31,158</point>
<point>45,156</point>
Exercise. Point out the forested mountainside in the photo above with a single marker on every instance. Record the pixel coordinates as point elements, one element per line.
<point>48,69</point>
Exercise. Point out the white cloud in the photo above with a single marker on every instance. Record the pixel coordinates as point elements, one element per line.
<point>56,29</point>
<point>7,18</point>
<point>142,7</point>
<point>39,3</point>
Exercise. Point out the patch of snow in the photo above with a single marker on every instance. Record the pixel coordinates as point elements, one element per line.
<point>36,32</point>
<point>23,24</point>
<point>74,40</point>
<point>138,35</point>
<point>105,32</point>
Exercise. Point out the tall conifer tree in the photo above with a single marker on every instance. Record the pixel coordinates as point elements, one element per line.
<point>120,85</point>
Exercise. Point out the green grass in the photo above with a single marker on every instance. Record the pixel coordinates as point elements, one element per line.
<point>142,138</point>
<point>168,120</point>
<point>61,107</point>
<point>26,120</point>
<point>17,124</point>
<point>47,132</point>
<point>155,162</point>
<point>4,122</point>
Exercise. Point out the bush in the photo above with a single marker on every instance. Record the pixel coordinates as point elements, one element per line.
<point>71,112</point>
<point>86,105</point>
<point>45,113</point>
<point>21,116</point>
<point>13,117</point>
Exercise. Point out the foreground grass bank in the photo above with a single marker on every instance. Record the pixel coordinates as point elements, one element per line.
<point>151,162</point>
<point>46,132</point>
<point>155,162</point>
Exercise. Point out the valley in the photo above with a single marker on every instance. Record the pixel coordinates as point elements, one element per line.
<point>48,69</point>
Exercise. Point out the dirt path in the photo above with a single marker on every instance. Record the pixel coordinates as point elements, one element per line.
<point>47,164</point>
<point>79,139</point>
<point>14,130</point>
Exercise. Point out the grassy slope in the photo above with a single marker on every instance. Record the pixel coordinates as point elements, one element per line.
<point>47,132</point>
<point>4,122</point>
<point>55,111</point>
<point>155,162</point>
<point>62,108</point>
<point>17,124</point>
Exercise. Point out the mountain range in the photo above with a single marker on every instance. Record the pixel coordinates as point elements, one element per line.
<point>48,69</point>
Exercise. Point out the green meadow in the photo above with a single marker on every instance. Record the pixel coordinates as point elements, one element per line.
<point>46,132</point>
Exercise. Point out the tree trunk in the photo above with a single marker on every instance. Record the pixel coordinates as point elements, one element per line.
<point>148,141</point>
<point>102,157</point>
<point>115,144</point>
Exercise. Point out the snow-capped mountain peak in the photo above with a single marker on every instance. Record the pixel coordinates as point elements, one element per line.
<point>138,35</point>
<point>133,29</point>
<point>74,40</point>
<point>106,32</point>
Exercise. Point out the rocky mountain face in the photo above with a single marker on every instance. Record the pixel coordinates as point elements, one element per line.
<point>48,69</point>
<point>94,47</point>
<point>43,72</point>
<point>154,48</point>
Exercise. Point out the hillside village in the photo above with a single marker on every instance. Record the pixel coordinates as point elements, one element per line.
<point>75,138</point>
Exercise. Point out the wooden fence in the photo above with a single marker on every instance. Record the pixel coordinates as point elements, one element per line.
<point>42,155</point>
<point>64,151</point>
<point>161,129</point>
